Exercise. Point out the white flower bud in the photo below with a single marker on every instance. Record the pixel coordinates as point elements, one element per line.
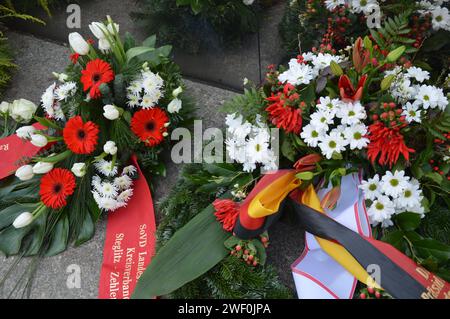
<point>62,77</point>
<point>111,112</point>
<point>177,91</point>
<point>42,168</point>
<point>110,148</point>
<point>174,106</point>
<point>25,172</point>
<point>79,169</point>
<point>165,134</point>
<point>25,132</point>
<point>23,220</point>
<point>98,29</point>
<point>104,46</point>
<point>4,107</point>
<point>38,140</point>
<point>78,44</point>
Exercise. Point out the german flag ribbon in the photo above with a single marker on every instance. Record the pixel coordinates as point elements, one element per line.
<point>339,248</point>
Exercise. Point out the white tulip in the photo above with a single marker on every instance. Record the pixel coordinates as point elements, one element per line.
<point>42,168</point>
<point>4,107</point>
<point>25,172</point>
<point>111,29</point>
<point>177,91</point>
<point>25,132</point>
<point>38,140</point>
<point>23,220</point>
<point>174,106</point>
<point>111,112</point>
<point>110,148</point>
<point>22,110</point>
<point>104,46</point>
<point>78,44</point>
<point>79,169</point>
<point>98,29</point>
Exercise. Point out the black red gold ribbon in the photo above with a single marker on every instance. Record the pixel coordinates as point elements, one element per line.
<point>400,276</point>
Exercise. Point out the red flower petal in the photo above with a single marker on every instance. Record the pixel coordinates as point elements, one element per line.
<point>56,186</point>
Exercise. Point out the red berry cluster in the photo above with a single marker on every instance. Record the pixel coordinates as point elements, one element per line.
<point>372,293</point>
<point>438,166</point>
<point>338,24</point>
<point>247,252</point>
<point>419,28</point>
<point>391,116</point>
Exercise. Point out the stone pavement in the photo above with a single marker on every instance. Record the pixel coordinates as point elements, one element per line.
<point>38,58</point>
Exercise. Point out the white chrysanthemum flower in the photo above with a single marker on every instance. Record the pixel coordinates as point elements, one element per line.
<point>410,198</point>
<point>123,182</point>
<point>394,184</point>
<point>332,143</point>
<point>351,113</point>
<point>297,74</point>
<point>333,4</point>
<point>106,168</point>
<point>418,74</point>
<point>411,112</point>
<point>431,97</point>
<point>381,211</point>
<point>326,104</point>
<point>107,203</point>
<point>108,189</point>
<point>371,188</point>
<point>129,170</point>
<point>363,6</point>
<point>355,135</point>
<point>323,60</point>
<point>258,148</point>
<point>133,100</point>
<point>440,18</point>
<point>50,103</point>
<point>125,195</point>
<point>66,90</point>
<point>321,120</point>
<point>312,135</point>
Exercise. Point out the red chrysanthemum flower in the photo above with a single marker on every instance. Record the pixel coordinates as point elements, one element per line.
<point>226,212</point>
<point>96,73</point>
<point>74,58</point>
<point>149,125</point>
<point>56,186</point>
<point>80,138</point>
<point>283,113</point>
<point>388,143</point>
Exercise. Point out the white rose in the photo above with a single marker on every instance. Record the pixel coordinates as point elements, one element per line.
<point>22,110</point>
<point>42,168</point>
<point>110,148</point>
<point>25,132</point>
<point>104,46</point>
<point>78,44</point>
<point>174,106</point>
<point>38,140</point>
<point>25,172</point>
<point>23,220</point>
<point>4,107</point>
<point>79,169</point>
<point>177,91</point>
<point>111,112</point>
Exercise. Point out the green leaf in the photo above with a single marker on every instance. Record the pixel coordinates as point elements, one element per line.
<point>9,214</point>
<point>262,254</point>
<point>150,41</point>
<point>47,123</point>
<point>305,176</point>
<point>336,68</point>
<point>395,238</point>
<point>137,51</point>
<point>435,177</point>
<point>191,252</point>
<point>86,231</point>
<point>408,221</point>
<point>231,242</point>
<point>55,158</point>
<point>60,237</point>
<point>11,240</point>
<point>430,247</point>
<point>36,236</point>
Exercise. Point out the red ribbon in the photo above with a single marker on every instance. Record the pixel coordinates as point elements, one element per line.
<point>130,243</point>
<point>13,149</point>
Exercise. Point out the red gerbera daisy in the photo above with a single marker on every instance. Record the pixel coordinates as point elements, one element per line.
<point>226,212</point>
<point>56,186</point>
<point>283,110</point>
<point>80,138</point>
<point>149,125</point>
<point>387,142</point>
<point>96,73</point>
